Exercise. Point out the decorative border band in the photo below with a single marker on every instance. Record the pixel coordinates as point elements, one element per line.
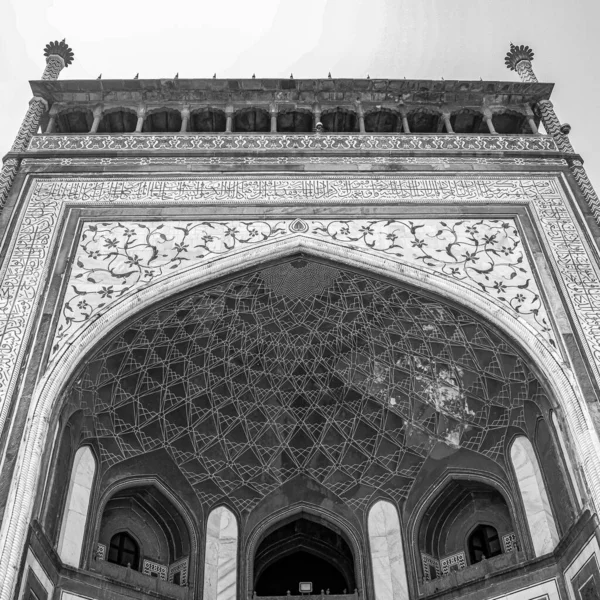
<point>322,142</point>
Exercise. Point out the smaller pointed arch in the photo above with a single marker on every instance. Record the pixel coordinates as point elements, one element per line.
<point>220,559</point>
<point>540,520</point>
<point>70,541</point>
<point>387,554</point>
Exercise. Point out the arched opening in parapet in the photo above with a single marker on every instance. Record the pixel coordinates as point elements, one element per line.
<point>468,121</point>
<point>303,550</point>
<point>382,121</point>
<point>74,121</point>
<point>339,120</point>
<point>208,120</point>
<point>119,120</point>
<point>251,120</point>
<point>424,121</point>
<point>507,122</point>
<point>295,121</point>
<point>162,121</point>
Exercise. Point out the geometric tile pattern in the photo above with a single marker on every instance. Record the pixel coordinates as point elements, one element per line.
<point>181,567</point>
<point>154,569</point>
<point>431,566</point>
<point>509,542</point>
<point>100,551</point>
<point>353,385</point>
<point>456,562</point>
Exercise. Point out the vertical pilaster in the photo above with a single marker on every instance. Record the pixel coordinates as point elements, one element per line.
<point>316,115</point>
<point>487,116</point>
<point>405,126</point>
<point>361,118</point>
<point>273,114</point>
<point>185,118</point>
<point>58,55</point>
<point>52,121</point>
<point>229,118</point>
<point>141,115</point>
<point>98,112</point>
<point>446,118</point>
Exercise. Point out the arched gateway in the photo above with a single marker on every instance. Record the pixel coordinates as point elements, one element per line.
<point>303,381</point>
<point>225,378</point>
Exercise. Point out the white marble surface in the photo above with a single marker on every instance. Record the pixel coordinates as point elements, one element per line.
<point>220,561</point>
<point>567,458</point>
<point>387,555</point>
<point>72,529</point>
<point>535,498</point>
<point>31,563</point>
<point>589,550</point>
<point>547,590</point>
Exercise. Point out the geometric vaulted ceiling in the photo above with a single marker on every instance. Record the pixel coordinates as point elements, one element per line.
<point>303,368</point>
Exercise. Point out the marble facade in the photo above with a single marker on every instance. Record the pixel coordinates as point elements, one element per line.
<point>358,346</point>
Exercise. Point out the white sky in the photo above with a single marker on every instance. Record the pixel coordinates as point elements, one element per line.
<point>425,39</point>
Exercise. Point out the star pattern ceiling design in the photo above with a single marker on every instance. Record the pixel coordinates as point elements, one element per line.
<point>303,368</point>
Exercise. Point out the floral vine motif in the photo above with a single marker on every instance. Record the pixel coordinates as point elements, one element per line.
<point>292,142</point>
<point>486,253</point>
<point>114,258</point>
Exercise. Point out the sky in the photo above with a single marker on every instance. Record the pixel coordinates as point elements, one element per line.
<point>422,39</point>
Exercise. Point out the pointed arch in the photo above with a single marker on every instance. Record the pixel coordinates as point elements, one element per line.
<point>555,372</point>
<point>535,498</point>
<point>220,558</point>
<point>387,552</point>
<point>72,532</point>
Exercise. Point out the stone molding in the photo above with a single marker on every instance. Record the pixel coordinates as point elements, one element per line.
<point>294,142</point>
<point>29,264</point>
<point>31,164</point>
<point>113,260</point>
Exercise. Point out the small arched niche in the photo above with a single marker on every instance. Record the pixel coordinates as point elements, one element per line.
<point>162,121</point>
<point>141,529</point>
<point>220,559</point>
<point>304,549</point>
<point>72,532</point>
<point>339,120</point>
<point>74,121</point>
<point>387,553</point>
<point>294,121</point>
<point>382,121</point>
<point>450,527</point>
<point>423,121</point>
<point>118,121</point>
<point>508,122</point>
<point>252,120</point>
<point>208,120</point>
<point>468,121</point>
<point>540,520</point>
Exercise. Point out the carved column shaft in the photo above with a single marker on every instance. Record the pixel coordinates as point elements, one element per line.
<point>519,59</point>
<point>7,176</point>
<point>552,126</point>
<point>525,71</point>
<point>58,56</point>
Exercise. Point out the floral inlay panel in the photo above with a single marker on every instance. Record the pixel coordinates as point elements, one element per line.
<point>117,258</point>
<point>293,142</point>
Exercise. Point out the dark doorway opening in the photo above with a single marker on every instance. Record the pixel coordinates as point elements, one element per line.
<point>287,573</point>
<point>304,551</point>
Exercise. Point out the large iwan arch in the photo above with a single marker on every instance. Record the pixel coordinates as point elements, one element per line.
<point>63,366</point>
